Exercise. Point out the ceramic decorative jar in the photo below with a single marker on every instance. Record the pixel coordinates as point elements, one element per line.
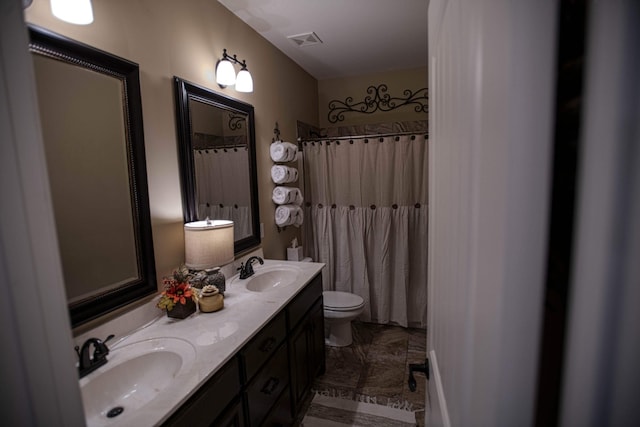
<point>210,299</point>
<point>216,278</point>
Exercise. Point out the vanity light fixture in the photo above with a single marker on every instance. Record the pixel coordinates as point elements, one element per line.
<point>78,12</point>
<point>226,73</point>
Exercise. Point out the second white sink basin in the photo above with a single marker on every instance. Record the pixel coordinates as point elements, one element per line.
<point>271,278</point>
<point>136,374</point>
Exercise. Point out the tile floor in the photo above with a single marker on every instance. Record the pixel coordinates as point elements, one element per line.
<point>375,368</point>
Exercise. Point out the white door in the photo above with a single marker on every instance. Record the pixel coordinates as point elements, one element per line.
<point>38,378</point>
<point>490,127</point>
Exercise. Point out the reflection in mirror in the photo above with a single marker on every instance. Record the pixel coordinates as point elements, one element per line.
<point>221,155</point>
<point>91,117</point>
<point>217,153</point>
<point>92,173</point>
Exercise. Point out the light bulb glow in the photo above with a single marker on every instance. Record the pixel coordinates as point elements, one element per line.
<point>225,74</point>
<point>79,12</point>
<point>244,81</point>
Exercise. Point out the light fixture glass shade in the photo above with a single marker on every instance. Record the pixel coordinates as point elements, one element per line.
<point>225,73</point>
<point>244,82</point>
<point>208,244</point>
<point>78,12</point>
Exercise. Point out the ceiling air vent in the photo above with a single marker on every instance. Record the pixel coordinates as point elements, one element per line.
<point>306,39</point>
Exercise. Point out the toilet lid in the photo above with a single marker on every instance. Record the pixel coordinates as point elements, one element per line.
<point>341,301</point>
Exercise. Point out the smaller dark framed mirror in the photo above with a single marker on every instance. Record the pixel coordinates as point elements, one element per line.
<point>216,139</point>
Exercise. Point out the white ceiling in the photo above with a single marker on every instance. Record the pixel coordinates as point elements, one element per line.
<point>358,36</point>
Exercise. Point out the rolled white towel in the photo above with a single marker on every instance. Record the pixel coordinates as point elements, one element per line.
<point>282,174</point>
<point>299,217</point>
<point>279,152</point>
<point>279,174</point>
<point>285,195</point>
<point>292,151</point>
<point>286,214</point>
<point>299,199</point>
<point>293,174</point>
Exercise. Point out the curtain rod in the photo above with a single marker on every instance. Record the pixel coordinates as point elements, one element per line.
<point>373,135</point>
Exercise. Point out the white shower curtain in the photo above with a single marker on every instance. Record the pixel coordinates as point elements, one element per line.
<point>367,220</point>
<point>222,182</point>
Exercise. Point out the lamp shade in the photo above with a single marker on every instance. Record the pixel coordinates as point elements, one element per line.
<point>208,244</point>
<point>244,82</point>
<point>225,73</point>
<point>78,12</point>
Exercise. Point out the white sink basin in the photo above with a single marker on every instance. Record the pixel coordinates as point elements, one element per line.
<point>135,374</point>
<point>271,278</point>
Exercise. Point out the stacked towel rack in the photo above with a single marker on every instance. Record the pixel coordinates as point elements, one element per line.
<point>288,199</point>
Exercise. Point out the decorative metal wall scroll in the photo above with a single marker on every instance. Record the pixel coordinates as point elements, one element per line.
<point>235,121</point>
<point>378,100</point>
<point>276,133</point>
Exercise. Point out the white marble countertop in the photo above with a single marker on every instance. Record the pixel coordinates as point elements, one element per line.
<point>216,338</point>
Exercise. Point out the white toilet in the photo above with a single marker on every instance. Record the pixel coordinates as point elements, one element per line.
<point>340,308</point>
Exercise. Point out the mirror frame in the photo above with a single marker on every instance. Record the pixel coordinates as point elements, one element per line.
<point>184,91</point>
<point>55,46</point>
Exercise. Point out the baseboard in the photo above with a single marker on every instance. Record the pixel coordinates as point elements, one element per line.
<point>438,414</point>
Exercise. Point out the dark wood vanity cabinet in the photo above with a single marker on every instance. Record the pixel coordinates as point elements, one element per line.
<point>210,402</point>
<point>266,369</point>
<point>267,380</point>
<point>306,349</point>
<point>232,417</point>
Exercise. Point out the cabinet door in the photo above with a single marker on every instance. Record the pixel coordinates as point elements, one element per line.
<point>307,352</point>
<point>316,341</point>
<point>267,386</point>
<point>301,304</point>
<point>281,414</point>
<point>210,400</point>
<point>233,417</point>
<point>299,348</point>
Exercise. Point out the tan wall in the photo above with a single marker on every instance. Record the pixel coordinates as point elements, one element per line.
<point>185,38</point>
<point>356,87</point>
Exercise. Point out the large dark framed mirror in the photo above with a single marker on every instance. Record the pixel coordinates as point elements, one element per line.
<point>216,137</point>
<point>91,116</point>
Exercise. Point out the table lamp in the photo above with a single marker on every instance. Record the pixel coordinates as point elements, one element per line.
<point>208,245</point>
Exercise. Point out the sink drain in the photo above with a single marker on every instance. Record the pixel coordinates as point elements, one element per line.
<point>114,412</point>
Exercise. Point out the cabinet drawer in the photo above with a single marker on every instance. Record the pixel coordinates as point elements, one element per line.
<point>280,415</point>
<point>208,402</point>
<point>303,302</point>
<point>267,386</point>
<point>263,345</point>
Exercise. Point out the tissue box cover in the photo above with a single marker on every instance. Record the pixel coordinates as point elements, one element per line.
<point>295,254</point>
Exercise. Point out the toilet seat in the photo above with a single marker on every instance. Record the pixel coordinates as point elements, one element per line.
<point>341,301</point>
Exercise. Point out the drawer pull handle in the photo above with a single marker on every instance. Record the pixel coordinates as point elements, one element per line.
<point>268,345</point>
<point>270,386</point>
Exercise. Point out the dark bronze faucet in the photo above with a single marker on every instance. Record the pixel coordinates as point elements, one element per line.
<point>87,363</point>
<point>246,269</point>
